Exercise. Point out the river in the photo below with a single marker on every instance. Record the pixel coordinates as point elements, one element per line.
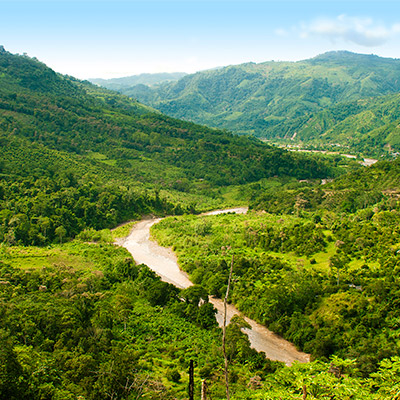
<point>163,261</point>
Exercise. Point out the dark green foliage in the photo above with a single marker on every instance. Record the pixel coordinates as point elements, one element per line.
<point>238,344</point>
<point>48,199</point>
<point>11,370</point>
<point>160,293</point>
<point>74,156</point>
<point>173,375</point>
<point>351,192</point>
<point>31,74</point>
<point>196,307</point>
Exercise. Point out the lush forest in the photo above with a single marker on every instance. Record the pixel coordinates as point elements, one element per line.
<point>67,115</point>
<point>47,196</point>
<point>317,263</point>
<point>74,156</point>
<point>330,100</point>
<point>81,320</point>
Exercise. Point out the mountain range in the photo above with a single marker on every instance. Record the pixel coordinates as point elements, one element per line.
<point>335,99</point>
<point>63,132</point>
<point>316,260</point>
<point>142,79</point>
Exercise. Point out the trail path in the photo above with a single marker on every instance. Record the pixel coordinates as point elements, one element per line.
<point>163,261</point>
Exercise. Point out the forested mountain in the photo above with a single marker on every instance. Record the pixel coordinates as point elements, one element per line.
<point>302,102</point>
<point>369,126</point>
<point>78,156</point>
<point>68,115</point>
<point>142,79</point>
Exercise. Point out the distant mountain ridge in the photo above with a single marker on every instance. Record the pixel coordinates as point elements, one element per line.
<point>142,79</point>
<point>279,100</point>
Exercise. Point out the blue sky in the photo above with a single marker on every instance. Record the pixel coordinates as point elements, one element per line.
<point>93,38</point>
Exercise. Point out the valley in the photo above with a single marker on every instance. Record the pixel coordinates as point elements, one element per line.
<point>113,268</point>
<point>366,162</point>
<point>336,98</point>
<point>164,263</point>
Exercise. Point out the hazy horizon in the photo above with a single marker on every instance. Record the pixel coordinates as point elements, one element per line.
<point>112,39</point>
<point>223,66</point>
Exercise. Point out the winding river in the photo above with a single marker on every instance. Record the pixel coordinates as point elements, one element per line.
<point>164,262</point>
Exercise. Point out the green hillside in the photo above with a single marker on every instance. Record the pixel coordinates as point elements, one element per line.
<point>80,320</point>
<point>287,100</point>
<point>82,156</point>
<point>68,115</point>
<point>368,126</point>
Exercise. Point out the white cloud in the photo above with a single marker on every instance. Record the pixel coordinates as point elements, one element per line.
<point>281,32</point>
<point>363,31</point>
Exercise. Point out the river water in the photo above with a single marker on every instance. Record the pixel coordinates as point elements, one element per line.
<point>163,261</point>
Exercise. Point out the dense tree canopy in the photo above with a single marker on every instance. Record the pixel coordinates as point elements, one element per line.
<point>320,267</point>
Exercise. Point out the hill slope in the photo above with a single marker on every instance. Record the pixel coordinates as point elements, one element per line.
<point>65,114</point>
<point>82,156</point>
<point>275,100</point>
<point>369,126</point>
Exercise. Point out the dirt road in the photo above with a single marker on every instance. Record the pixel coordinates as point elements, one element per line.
<point>164,262</point>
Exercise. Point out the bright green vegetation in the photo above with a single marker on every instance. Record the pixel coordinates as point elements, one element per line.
<point>347,194</point>
<point>111,130</point>
<point>74,157</point>
<point>320,266</point>
<point>83,321</point>
<point>78,318</point>
<point>46,198</point>
<point>122,231</point>
<point>324,101</point>
<point>368,126</point>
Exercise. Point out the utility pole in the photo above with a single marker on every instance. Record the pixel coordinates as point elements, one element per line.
<point>191,380</point>
<point>224,333</point>
<point>203,390</point>
<point>304,392</point>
